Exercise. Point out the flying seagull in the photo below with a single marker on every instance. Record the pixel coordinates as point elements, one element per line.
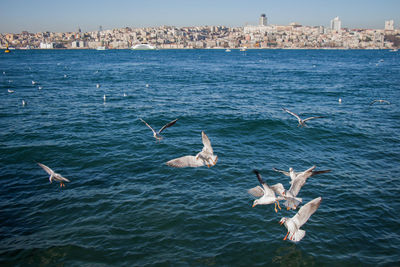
<point>54,176</point>
<point>301,121</point>
<point>157,134</point>
<point>298,179</point>
<point>293,224</point>
<point>265,193</point>
<point>380,101</point>
<point>204,157</point>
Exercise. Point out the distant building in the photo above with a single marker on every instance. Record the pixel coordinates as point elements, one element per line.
<point>260,28</point>
<point>263,20</point>
<point>336,24</point>
<point>46,45</point>
<point>389,25</point>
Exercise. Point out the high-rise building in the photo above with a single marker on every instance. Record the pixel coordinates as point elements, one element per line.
<point>389,25</point>
<point>263,20</point>
<point>336,24</point>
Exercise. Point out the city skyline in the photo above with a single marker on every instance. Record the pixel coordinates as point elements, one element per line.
<point>45,15</point>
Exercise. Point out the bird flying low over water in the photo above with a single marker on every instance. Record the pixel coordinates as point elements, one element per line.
<point>301,121</point>
<point>204,157</point>
<point>53,175</point>
<point>157,134</point>
<point>293,224</point>
<point>265,193</point>
<point>298,179</point>
<point>380,101</point>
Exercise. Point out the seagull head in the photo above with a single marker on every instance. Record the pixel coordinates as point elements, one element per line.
<point>255,203</point>
<point>283,220</point>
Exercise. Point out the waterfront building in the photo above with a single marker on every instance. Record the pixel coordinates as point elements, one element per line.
<point>336,24</point>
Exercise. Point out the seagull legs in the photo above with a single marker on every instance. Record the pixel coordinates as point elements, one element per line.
<point>277,202</point>
<point>286,236</point>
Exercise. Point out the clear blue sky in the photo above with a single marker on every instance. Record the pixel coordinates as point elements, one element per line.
<point>68,15</point>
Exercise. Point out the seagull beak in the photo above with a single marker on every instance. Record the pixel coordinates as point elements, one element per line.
<point>253,205</point>
<point>281,222</point>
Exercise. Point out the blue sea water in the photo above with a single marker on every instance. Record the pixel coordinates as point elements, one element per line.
<point>125,207</point>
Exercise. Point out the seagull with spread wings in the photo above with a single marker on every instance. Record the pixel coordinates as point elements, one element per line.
<point>204,157</point>
<point>53,175</point>
<point>298,179</point>
<point>265,193</point>
<point>157,135</point>
<point>380,101</point>
<point>301,121</point>
<point>293,224</point>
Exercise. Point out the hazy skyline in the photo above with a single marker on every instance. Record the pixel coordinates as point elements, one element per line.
<point>67,16</point>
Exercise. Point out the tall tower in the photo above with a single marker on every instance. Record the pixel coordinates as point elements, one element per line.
<point>336,24</point>
<point>263,20</point>
<point>389,25</point>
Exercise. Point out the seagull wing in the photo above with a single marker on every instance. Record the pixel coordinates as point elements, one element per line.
<point>185,161</point>
<point>310,118</point>
<point>292,113</point>
<point>154,132</point>
<point>278,188</point>
<point>306,211</point>
<point>297,184</point>
<point>167,125</point>
<point>268,191</point>
<point>207,144</point>
<point>47,169</point>
<point>374,102</point>
<point>319,172</point>
<point>282,171</point>
<point>256,191</point>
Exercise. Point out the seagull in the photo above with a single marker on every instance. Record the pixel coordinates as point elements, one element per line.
<point>380,101</point>
<point>298,179</point>
<point>54,176</point>
<point>157,135</point>
<point>10,91</point>
<point>104,98</point>
<point>147,85</point>
<point>97,85</point>
<point>23,103</point>
<point>301,121</point>
<point>265,193</point>
<point>125,95</point>
<point>40,87</point>
<point>204,157</point>
<point>33,82</point>
<point>293,224</point>
<point>340,101</point>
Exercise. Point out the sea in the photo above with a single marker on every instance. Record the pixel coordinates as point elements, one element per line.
<point>124,206</point>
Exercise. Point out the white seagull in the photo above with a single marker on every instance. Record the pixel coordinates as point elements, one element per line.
<point>380,101</point>
<point>157,135</point>
<point>265,193</point>
<point>293,224</point>
<point>298,179</point>
<point>23,103</point>
<point>10,91</point>
<point>301,121</point>
<point>54,176</point>
<point>204,157</point>
<point>98,85</point>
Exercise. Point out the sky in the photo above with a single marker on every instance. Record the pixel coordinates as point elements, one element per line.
<point>69,15</point>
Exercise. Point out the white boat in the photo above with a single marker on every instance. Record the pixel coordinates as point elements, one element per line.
<point>143,47</point>
<point>101,48</point>
<point>243,49</point>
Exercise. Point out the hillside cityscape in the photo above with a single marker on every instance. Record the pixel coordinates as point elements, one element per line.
<point>263,35</point>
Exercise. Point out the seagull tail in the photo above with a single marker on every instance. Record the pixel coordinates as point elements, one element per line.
<point>292,202</point>
<point>298,235</point>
